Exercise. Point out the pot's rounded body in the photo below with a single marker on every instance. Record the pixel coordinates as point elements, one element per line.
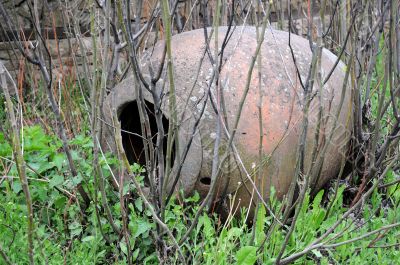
<point>281,101</point>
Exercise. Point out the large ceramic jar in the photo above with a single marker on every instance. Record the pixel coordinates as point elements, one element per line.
<point>282,104</point>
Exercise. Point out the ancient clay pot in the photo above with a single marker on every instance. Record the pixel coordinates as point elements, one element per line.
<point>282,106</point>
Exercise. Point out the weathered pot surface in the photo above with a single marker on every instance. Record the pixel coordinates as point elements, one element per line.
<point>282,104</point>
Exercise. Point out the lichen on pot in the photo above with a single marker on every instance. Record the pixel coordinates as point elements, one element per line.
<point>282,110</point>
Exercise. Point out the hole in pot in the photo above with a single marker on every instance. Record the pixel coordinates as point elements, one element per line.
<point>131,132</point>
<point>205,180</point>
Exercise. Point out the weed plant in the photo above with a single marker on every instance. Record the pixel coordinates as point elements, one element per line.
<point>63,236</point>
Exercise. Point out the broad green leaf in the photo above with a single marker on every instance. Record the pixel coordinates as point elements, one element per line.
<point>56,180</point>
<point>234,232</point>
<point>317,200</point>
<point>135,254</point>
<point>60,202</point>
<point>319,218</point>
<point>143,226</point>
<point>58,160</point>
<point>220,257</point>
<point>77,180</point>
<point>246,255</point>
<point>88,238</point>
<point>16,186</point>
<point>139,204</point>
<point>337,203</point>
<point>261,214</point>
<point>124,249</point>
<point>75,228</point>
<point>78,140</point>
<point>41,166</point>
<point>317,253</point>
<point>194,198</point>
<point>126,189</point>
<point>36,140</point>
<point>101,254</point>
<point>5,147</point>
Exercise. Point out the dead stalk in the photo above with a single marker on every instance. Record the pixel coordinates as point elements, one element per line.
<point>20,162</point>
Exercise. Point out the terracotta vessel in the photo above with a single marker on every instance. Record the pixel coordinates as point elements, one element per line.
<point>282,104</point>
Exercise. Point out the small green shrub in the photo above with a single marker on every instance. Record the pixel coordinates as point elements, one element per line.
<point>62,234</point>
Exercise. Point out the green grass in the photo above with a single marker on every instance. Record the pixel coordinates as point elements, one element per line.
<point>62,236</point>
